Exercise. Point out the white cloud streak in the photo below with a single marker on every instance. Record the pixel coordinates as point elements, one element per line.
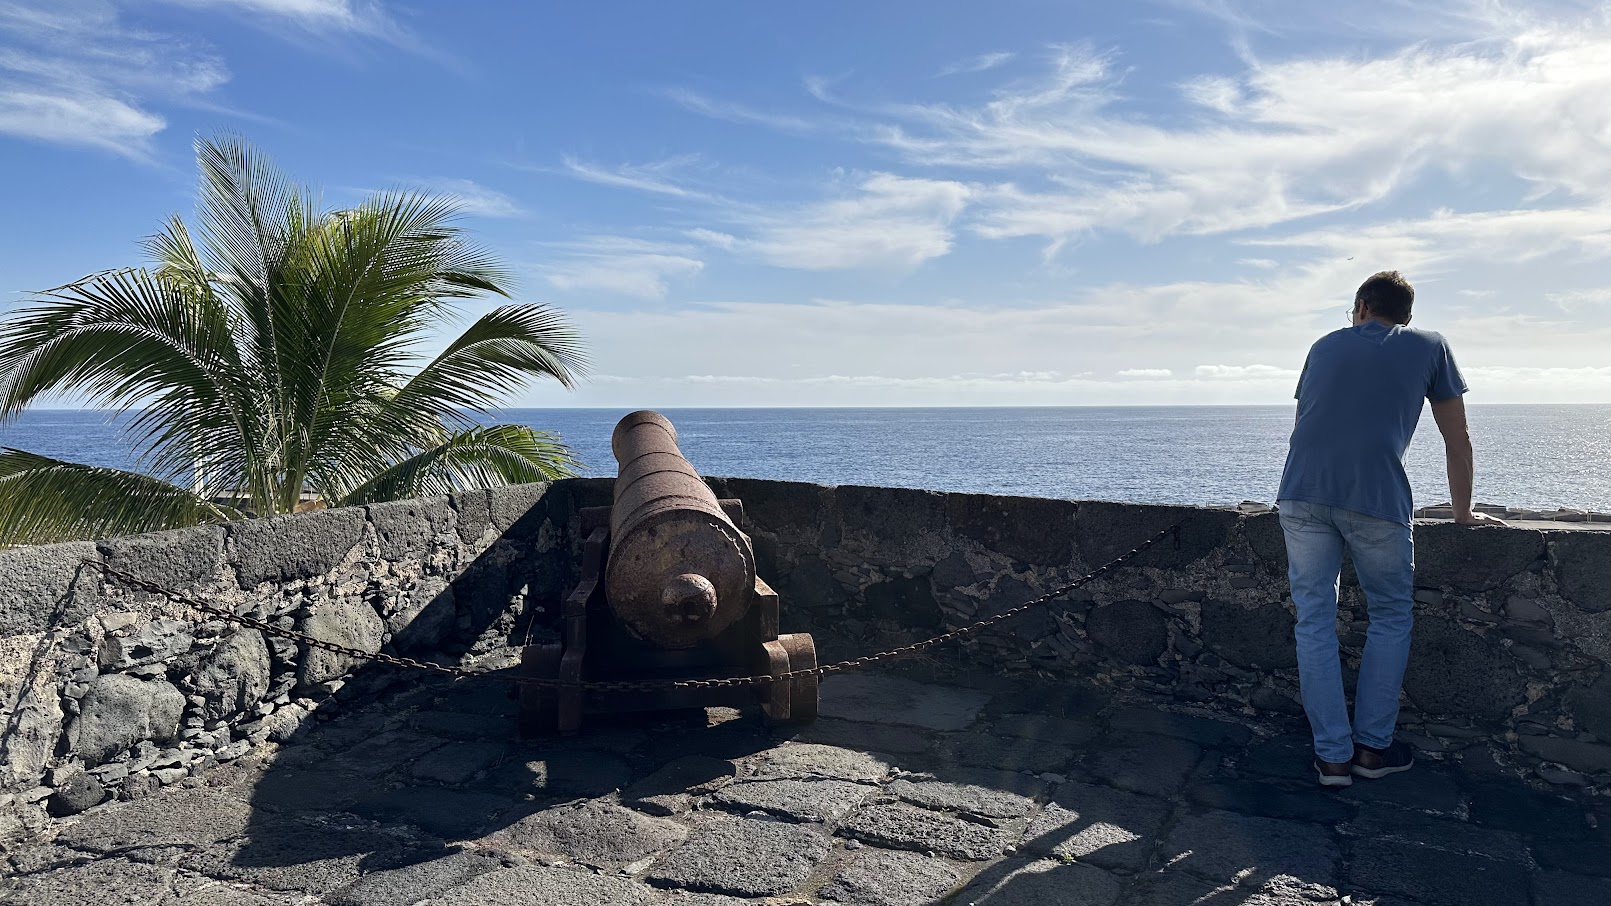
<point>657,178</point>
<point>73,73</point>
<point>477,200</point>
<point>620,266</point>
<point>981,63</point>
<point>886,221</point>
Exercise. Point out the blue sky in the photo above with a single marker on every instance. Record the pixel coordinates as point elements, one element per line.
<point>1016,203</point>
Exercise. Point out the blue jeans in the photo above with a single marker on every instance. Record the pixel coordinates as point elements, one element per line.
<point>1383,552</point>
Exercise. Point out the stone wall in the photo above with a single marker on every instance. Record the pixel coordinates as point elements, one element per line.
<point>110,692</point>
<point>1512,645</point>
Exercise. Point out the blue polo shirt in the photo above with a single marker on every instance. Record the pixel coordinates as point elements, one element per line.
<point>1359,399</point>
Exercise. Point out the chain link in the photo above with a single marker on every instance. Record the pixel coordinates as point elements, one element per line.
<point>267,628</point>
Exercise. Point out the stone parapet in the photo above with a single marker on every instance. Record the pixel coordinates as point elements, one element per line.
<point>111,692</point>
<point>1512,643</point>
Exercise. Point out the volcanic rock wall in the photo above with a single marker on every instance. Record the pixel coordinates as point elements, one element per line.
<point>106,691</point>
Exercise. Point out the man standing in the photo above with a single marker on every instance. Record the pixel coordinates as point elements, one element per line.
<point>1359,398</point>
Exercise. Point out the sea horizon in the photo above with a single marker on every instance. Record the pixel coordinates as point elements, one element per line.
<point>1539,456</point>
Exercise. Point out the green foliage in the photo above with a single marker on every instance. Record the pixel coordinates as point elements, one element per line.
<point>278,352</point>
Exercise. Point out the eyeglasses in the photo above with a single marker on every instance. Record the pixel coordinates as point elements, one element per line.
<point>1349,313</point>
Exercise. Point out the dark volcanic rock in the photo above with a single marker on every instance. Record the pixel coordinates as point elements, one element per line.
<point>817,799</point>
<point>351,623</point>
<point>902,826</point>
<point>1268,541</point>
<point>413,883</point>
<point>301,546</point>
<point>1221,846</point>
<point>1453,671</point>
<point>1106,530</point>
<point>544,885</point>
<point>175,559</point>
<point>1472,558</point>
<point>119,711</point>
<point>742,857</point>
<point>909,602</point>
<point>1043,883</point>
<point>1105,827</point>
<point>877,877</point>
<point>1591,707</point>
<point>234,677</point>
<point>592,833</point>
<point>46,585</point>
<point>1130,632</point>
<point>1258,637</point>
<point>405,528</point>
<point>1029,529</point>
<point>1582,564</point>
<point>79,793</point>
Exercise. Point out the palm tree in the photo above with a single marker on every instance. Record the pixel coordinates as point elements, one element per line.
<point>280,353</point>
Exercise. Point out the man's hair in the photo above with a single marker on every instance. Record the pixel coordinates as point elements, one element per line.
<point>1387,295</point>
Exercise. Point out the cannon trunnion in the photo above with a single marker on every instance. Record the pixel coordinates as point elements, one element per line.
<point>668,591</point>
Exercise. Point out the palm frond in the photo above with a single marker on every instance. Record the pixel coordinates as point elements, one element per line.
<point>501,351</point>
<point>44,500</point>
<point>477,458</point>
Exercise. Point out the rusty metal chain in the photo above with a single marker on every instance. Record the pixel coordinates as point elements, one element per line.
<point>633,685</point>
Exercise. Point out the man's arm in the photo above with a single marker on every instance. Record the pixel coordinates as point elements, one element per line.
<point>1450,415</point>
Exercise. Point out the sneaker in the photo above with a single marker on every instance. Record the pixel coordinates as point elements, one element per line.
<point>1372,763</point>
<point>1333,773</point>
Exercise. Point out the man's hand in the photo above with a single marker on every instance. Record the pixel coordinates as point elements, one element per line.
<point>1476,518</point>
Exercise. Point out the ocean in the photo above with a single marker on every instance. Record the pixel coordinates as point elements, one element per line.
<point>1529,456</point>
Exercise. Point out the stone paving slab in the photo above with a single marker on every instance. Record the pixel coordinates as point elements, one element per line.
<point>1226,847</point>
<point>742,857</point>
<point>871,698</point>
<point>813,760</point>
<point>814,799</point>
<point>594,833</point>
<point>544,885</point>
<point>881,877</point>
<point>1008,753</point>
<point>1436,877</point>
<point>1140,763</point>
<point>671,790</point>
<point>976,792</point>
<point>1091,801</point>
<point>412,883</point>
<point>1043,883</point>
<point>904,826</point>
<point>315,855</point>
<point>1105,827</point>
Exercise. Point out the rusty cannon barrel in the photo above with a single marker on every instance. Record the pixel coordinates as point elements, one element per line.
<point>679,571</point>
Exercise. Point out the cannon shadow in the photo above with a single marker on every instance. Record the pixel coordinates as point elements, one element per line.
<point>400,767</point>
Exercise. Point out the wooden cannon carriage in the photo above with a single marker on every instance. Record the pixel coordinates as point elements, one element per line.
<point>668,591</point>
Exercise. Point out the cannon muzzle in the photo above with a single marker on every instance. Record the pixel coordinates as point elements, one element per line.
<point>679,571</point>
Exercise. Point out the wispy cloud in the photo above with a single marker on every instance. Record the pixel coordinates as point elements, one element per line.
<point>75,74</point>
<point>1145,373</point>
<point>659,177</point>
<point>885,221</point>
<point>620,265</point>
<point>316,18</point>
<point>980,63</point>
<point>475,199</point>
<point>1243,372</point>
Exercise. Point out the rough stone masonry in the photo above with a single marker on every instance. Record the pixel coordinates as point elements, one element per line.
<point>108,693</point>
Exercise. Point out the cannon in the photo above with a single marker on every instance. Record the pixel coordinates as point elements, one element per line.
<point>668,591</point>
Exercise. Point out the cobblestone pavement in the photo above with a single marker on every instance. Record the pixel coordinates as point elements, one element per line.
<point>903,793</point>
